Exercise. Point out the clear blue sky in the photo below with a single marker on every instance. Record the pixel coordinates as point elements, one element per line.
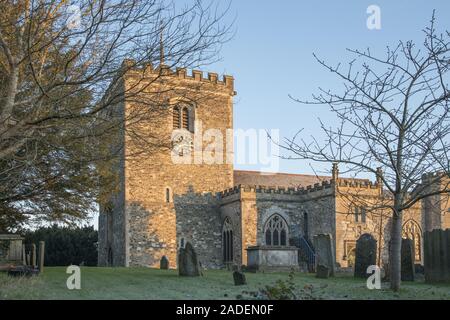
<point>271,55</point>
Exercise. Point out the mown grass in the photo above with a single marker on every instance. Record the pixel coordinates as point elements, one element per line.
<point>144,283</point>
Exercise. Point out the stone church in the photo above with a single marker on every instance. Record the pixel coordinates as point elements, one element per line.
<point>233,216</point>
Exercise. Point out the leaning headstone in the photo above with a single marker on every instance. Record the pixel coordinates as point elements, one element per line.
<point>365,255</point>
<point>164,263</point>
<point>239,278</point>
<point>407,263</point>
<point>188,264</point>
<point>323,244</point>
<point>322,272</point>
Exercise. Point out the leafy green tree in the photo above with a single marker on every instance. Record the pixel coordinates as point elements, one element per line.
<point>57,60</point>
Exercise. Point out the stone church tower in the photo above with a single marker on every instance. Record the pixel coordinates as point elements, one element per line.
<point>162,203</point>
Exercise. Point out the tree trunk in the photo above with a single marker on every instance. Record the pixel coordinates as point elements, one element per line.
<point>395,251</point>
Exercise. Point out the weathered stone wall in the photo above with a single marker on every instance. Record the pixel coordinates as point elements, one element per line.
<point>377,220</point>
<point>351,198</point>
<point>152,233</point>
<point>320,205</point>
<point>158,230</point>
<point>155,226</point>
<point>437,256</point>
<point>199,222</point>
<point>232,207</point>
<point>249,222</point>
<point>250,207</point>
<point>436,207</point>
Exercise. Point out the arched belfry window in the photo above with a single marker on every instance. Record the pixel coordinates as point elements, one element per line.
<point>276,231</point>
<point>227,240</point>
<point>411,230</point>
<point>183,116</point>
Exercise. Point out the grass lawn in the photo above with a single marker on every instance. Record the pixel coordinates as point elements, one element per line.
<point>143,283</point>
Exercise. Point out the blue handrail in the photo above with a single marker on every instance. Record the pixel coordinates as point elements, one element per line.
<point>308,253</point>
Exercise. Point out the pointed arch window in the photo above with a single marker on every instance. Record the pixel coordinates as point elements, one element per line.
<point>183,116</point>
<point>360,214</point>
<point>227,240</point>
<point>411,230</point>
<point>276,231</point>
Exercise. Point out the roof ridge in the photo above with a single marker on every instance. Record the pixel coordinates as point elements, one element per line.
<point>281,173</point>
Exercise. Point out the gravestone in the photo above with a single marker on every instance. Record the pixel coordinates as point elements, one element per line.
<point>437,255</point>
<point>164,263</point>
<point>407,263</point>
<point>323,244</point>
<point>239,278</point>
<point>322,272</point>
<point>188,264</point>
<point>365,255</point>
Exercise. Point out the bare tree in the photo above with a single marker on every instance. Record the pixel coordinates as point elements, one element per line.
<point>393,113</point>
<point>57,61</point>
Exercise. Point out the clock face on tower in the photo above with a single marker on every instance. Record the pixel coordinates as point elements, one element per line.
<point>182,142</point>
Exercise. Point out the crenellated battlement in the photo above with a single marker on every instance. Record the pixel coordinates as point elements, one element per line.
<point>213,78</point>
<point>433,176</point>
<point>326,184</point>
<point>357,183</point>
<point>229,192</point>
<point>276,189</point>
